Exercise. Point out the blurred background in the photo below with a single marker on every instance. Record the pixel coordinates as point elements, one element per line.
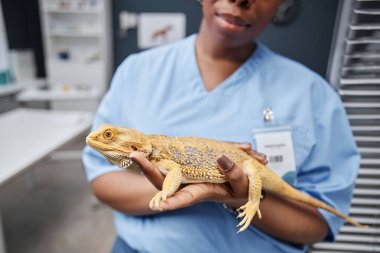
<point>57,58</point>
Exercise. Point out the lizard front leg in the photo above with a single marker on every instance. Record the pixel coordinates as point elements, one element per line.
<point>249,210</point>
<point>171,183</point>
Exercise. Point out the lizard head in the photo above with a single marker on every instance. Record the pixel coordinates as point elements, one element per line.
<point>117,143</point>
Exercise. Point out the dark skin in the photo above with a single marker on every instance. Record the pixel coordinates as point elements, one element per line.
<point>225,40</point>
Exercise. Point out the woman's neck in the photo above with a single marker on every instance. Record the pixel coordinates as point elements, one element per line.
<point>217,62</point>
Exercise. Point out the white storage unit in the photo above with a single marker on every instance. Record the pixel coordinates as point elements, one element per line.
<point>3,44</point>
<point>77,42</point>
<point>355,73</point>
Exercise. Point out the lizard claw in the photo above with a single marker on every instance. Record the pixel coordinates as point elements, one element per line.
<point>165,196</point>
<point>155,202</point>
<point>249,212</point>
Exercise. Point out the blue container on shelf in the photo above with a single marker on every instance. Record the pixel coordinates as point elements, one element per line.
<point>5,78</point>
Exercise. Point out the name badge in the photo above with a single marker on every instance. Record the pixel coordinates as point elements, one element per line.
<point>277,144</point>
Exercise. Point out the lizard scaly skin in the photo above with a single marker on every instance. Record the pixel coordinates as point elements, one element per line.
<point>193,160</point>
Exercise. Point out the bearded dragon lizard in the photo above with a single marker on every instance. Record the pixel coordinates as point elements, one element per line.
<point>186,160</point>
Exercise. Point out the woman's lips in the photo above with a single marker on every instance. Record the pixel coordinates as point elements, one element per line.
<point>233,20</point>
<point>231,23</point>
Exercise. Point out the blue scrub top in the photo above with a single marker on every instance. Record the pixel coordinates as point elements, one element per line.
<point>161,91</point>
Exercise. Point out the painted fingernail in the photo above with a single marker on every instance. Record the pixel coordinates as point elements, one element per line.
<point>242,145</point>
<point>261,154</point>
<point>225,163</point>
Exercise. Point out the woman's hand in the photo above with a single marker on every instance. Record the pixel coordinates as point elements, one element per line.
<point>234,193</point>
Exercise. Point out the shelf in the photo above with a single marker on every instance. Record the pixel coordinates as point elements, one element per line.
<point>364,117</point>
<point>78,52</point>
<point>76,63</point>
<point>72,34</point>
<point>72,11</point>
<point>367,11</point>
<point>368,93</point>
<point>16,87</point>
<point>365,55</point>
<point>364,27</point>
<point>57,95</point>
<point>9,89</point>
<point>370,151</point>
<point>367,139</point>
<point>354,81</point>
<point>365,128</point>
<point>363,41</point>
<point>361,105</point>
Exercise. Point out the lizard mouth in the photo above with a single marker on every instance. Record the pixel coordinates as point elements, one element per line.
<point>101,147</point>
<point>95,145</point>
<point>114,155</point>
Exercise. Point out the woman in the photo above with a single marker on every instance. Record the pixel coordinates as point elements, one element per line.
<point>217,84</point>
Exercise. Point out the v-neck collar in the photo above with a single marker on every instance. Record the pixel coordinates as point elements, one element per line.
<point>247,68</point>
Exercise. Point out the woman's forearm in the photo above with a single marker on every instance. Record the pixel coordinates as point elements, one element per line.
<point>124,191</point>
<point>284,219</point>
<point>290,221</point>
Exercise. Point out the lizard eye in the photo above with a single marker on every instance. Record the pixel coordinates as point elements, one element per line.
<point>134,148</point>
<point>108,135</point>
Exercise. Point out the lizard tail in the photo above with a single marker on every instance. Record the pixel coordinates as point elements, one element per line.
<point>279,186</point>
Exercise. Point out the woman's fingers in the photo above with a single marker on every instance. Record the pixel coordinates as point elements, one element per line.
<point>188,196</point>
<point>151,172</point>
<point>258,156</point>
<point>234,176</point>
<point>247,147</point>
